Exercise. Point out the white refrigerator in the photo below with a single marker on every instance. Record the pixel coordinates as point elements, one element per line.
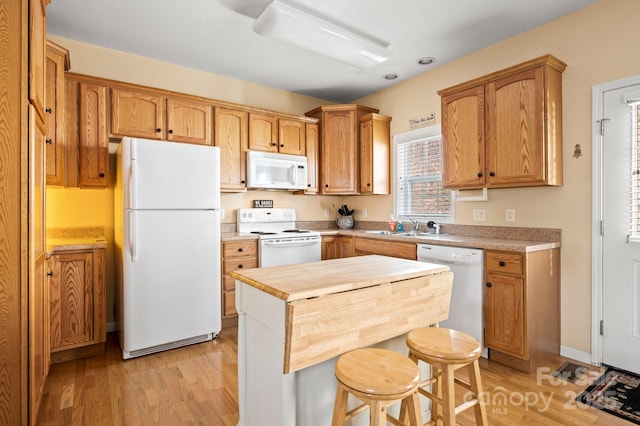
<point>167,241</point>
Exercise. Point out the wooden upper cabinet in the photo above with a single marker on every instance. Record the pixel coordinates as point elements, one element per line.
<point>311,152</point>
<point>505,129</point>
<point>37,55</point>
<point>137,114</point>
<point>263,132</point>
<point>291,136</point>
<point>56,64</point>
<point>189,121</point>
<point>463,138</point>
<point>271,133</point>
<point>93,139</point>
<point>374,154</point>
<point>230,129</point>
<point>339,147</point>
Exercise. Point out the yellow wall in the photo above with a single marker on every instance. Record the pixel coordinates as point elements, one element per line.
<point>597,43</point>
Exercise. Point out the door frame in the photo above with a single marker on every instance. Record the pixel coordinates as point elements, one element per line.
<point>597,207</point>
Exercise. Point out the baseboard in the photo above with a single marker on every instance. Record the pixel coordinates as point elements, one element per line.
<point>111,326</point>
<point>575,354</point>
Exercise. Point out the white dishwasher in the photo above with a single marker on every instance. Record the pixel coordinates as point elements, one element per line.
<point>466,310</point>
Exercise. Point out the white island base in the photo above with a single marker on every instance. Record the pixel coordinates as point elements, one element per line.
<point>283,382</point>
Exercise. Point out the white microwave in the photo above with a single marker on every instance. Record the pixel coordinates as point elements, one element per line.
<point>266,170</point>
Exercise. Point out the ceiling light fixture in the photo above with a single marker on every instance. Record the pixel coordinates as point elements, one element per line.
<point>427,60</point>
<point>291,24</point>
<point>390,76</point>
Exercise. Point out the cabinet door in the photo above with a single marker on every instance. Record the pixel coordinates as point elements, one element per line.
<point>339,153</point>
<point>231,136</point>
<point>93,141</point>
<point>515,129</point>
<point>137,114</point>
<point>312,137</point>
<point>330,248</point>
<point>37,49</point>
<point>346,246</point>
<point>71,299</point>
<point>375,138</point>
<point>189,121</point>
<point>291,137</point>
<point>505,314</point>
<point>463,139</point>
<point>263,132</point>
<point>54,117</point>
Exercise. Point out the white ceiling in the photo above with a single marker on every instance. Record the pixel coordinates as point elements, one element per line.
<point>217,36</point>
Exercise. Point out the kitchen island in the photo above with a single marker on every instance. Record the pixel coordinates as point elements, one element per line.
<point>295,320</point>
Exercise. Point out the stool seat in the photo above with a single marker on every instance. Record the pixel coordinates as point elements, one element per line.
<point>444,345</point>
<point>378,378</point>
<point>378,372</point>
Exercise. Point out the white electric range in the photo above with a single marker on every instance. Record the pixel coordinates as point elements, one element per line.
<point>280,242</point>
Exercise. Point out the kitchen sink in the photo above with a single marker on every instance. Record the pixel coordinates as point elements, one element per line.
<point>404,234</point>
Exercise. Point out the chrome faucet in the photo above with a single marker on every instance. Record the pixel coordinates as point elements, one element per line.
<point>415,224</point>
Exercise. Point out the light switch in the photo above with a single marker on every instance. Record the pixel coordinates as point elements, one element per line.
<point>510,215</point>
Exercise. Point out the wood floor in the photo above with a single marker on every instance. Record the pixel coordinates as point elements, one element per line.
<point>197,385</point>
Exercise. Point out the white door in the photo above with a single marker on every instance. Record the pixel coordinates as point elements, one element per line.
<point>170,175</point>
<point>171,264</point>
<point>620,254</point>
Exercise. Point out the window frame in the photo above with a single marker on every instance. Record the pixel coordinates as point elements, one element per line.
<point>409,136</point>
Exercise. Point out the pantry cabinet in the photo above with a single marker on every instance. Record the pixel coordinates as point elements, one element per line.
<point>241,254</point>
<point>505,129</point>
<point>521,307</point>
<point>57,62</point>
<point>230,127</point>
<point>375,141</point>
<point>77,298</point>
<point>339,147</point>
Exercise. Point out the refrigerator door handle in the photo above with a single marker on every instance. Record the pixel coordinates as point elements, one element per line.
<point>133,243</point>
<point>132,185</point>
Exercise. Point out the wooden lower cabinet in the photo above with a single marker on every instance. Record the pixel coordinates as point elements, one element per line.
<point>522,307</point>
<point>77,300</point>
<point>337,246</point>
<point>365,246</point>
<point>240,254</point>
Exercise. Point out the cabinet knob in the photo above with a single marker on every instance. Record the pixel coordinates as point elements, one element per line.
<point>273,144</point>
<point>492,174</point>
<point>158,130</point>
<point>48,141</point>
<point>171,131</point>
<point>281,145</point>
<point>501,263</point>
<point>368,184</point>
<point>488,284</point>
<point>326,185</point>
<point>240,266</point>
<point>49,274</point>
<point>240,249</point>
<point>308,185</point>
<point>47,110</point>
<point>242,181</point>
<point>101,174</point>
<point>479,174</point>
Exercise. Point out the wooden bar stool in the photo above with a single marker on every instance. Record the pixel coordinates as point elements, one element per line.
<point>447,351</point>
<point>379,378</point>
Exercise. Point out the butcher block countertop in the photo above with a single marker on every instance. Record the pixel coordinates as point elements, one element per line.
<point>309,280</point>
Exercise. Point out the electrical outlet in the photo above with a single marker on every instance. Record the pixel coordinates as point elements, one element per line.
<point>364,213</point>
<point>479,215</point>
<point>510,215</point>
<point>221,213</point>
<point>326,213</point>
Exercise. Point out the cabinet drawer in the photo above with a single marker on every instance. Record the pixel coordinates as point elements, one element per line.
<point>240,248</point>
<point>228,283</point>
<point>507,263</point>
<point>229,265</point>
<point>229,303</point>
<point>364,246</point>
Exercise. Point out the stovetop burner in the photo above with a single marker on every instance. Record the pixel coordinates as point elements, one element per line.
<point>263,233</point>
<point>299,231</point>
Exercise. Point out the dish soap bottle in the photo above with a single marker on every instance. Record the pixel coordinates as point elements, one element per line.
<point>392,224</point>
<point>399,227</point>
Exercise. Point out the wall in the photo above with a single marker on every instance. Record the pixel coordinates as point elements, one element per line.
<point>599,45</point>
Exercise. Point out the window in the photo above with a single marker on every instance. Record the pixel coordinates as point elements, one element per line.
<point>633,100</point>
<point>419,193</point>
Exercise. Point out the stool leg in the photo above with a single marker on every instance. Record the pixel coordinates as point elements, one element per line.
<point>476,387</point>
<point>377,413</point>
<point>448,395</point>
<point>436,389</point>
<point>413,405</point>
<point>340,406</point>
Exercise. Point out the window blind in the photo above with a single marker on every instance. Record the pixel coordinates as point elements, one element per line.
<point>634,214</point>
<point>419,179</point>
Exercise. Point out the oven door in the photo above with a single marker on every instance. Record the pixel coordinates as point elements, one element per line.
<point>287,251</point>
